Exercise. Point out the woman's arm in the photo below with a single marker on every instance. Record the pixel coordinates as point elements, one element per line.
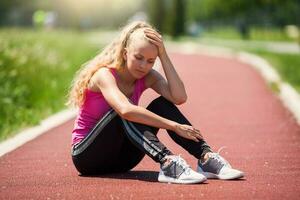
<point>174,84</point>
<point>119,102</point>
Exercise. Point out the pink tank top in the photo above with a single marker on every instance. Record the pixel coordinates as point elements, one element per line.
<point>95,107</point>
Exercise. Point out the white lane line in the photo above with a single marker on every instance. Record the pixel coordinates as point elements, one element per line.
<point>31,133</point>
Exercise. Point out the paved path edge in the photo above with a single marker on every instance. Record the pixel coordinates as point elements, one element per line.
<point>30,133</point>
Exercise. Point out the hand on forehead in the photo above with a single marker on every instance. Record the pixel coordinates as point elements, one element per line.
<point>137,35</point>
<point>137,40</point>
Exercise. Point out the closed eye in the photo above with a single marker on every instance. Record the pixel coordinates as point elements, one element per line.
<point>138,57</point>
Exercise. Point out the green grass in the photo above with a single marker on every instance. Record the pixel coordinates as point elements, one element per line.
<point>36,68</point>
<point>222,33</point>
<point>255,33</point>
<point>287,65</point>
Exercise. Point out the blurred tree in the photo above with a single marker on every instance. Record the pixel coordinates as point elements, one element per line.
<point>179,18</point>
<point>156,13</point>
<point>168,16</point>
<point>243,13</point>
<point>16,12</point>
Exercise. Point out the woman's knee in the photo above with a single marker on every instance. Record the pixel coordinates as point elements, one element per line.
<point>165,108</point>
<point>159,103</point>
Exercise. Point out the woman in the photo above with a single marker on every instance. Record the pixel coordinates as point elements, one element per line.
<point>112,133</point>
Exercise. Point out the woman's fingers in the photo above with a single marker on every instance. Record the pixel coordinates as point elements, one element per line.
<point>199,137</point>
<point>154,42</point>
<point>191,133</point>
<point>192,137</point>
<point>153,35</point>
<point>196,133</point>
<point>153,31</point>
<point>156,39</point>
<point>195,139</point>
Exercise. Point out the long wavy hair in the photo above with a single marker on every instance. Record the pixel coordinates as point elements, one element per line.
<point>112,55</point>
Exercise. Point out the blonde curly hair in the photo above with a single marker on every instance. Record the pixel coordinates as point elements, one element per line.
<point>112,55</point>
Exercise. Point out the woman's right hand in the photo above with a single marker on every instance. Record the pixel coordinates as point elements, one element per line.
<point>188,132</point>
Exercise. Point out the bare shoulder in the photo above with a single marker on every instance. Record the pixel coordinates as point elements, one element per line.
<point>102,78</point>
<point>101,71</point>
<point>152,77</point>
<point>102,74</point>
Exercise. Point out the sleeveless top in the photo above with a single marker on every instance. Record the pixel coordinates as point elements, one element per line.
<point>95,107</point>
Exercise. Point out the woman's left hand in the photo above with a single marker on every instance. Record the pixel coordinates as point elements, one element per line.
<point>155,38</point>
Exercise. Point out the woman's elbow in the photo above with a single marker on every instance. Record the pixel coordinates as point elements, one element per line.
<point>181,100</point>
<point>125,111</point>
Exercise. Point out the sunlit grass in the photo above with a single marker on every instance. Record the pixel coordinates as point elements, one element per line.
<point>36,68</point>
<point>255,33</point>
<point>288,66</point>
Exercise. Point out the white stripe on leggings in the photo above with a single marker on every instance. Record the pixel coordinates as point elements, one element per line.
<point>141,139</point>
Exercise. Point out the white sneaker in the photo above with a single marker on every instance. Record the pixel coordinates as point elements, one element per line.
<point>216,167</point>
<point>178,171</point>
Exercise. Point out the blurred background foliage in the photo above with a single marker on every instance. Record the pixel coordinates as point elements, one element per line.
<point>173,17</point>
<point>44,42</point>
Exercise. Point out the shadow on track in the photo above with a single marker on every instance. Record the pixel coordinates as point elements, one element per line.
<point>150,176</point>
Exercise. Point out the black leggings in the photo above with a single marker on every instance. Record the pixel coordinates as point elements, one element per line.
<point>118,145</point>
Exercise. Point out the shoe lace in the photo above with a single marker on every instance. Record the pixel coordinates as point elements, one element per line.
<point>181,162</point>
<point>219,158</point>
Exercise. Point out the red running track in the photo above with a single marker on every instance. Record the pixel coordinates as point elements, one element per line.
<point>232,106</point>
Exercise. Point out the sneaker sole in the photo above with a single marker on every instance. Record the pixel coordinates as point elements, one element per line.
<point>222,177</point>
<point>165,179</point>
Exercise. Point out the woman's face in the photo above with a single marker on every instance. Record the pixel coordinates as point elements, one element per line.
<point>140,57</point>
